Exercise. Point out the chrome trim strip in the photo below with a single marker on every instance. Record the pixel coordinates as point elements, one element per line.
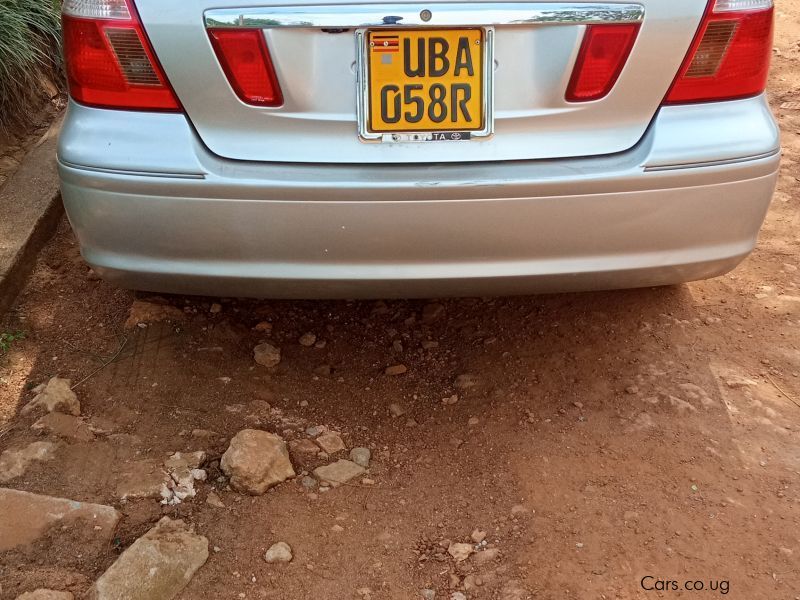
<point>107,171</point>
<point>440,15</point>
<point>711,163</point>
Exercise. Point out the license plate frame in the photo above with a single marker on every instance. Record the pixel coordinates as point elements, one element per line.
<point>366,134</point>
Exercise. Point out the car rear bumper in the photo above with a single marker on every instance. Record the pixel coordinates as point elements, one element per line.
<point>154,210</point>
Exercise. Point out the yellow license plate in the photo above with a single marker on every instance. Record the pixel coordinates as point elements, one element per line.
<point>425,80</point>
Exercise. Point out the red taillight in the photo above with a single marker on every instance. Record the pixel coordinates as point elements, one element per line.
<point>729,57</point>
<point>244,56</point>
<point>109,61</point>
<point>603,53</point>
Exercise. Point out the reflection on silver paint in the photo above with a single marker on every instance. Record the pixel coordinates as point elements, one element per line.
<point>483,13</point>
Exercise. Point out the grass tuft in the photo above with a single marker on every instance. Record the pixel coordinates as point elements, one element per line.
<point>30,49</point>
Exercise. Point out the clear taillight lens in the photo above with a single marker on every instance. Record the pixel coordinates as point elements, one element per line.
<point>729,57</point>
<point>109,60</point>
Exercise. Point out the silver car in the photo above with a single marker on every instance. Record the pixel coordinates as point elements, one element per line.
<point>273,148</point>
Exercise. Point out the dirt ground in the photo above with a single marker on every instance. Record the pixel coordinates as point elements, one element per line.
<point>608,437</point>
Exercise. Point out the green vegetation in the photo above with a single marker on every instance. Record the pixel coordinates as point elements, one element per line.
<point>6,339</point>
<point>30,49</point>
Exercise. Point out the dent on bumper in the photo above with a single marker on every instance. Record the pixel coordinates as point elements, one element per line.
<point>220,227</point>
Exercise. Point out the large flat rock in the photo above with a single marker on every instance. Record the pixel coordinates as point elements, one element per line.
<point>25,517</point>
<point>157,566</point>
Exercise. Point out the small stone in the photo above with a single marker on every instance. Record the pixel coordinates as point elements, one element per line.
<point>91,275</point>
<point>458,596</point>
<point>308,483</point>
<point>339,472</point>
<point>157,566</point>
<point>204,434</point>
<point>432,312</point>
<point>43,594</point>
<point>487,556</point>
<point>460,551</point>
<point>473,421</point>
<point>303,448</point>
<point>450,400</point>
<point>280,552</point>
<point>256,461</point>
<point>331,442</point>
<point>632,389</point>
<point>315,430</point>
<point>267,355</point>
<point>518,509</point>
<point>740,382</point>
<point>14,463</point>
<point>397,410</point>
<point>361,456</point>
<point>216,308</point>
<point>466,381</point>
<point>478,536</point>
<point>214,500</point>
<point>307,339</point>
<point>337,528</point>
<point>395,370</point>
<point>152,310</point>
<point>428,594</point>
<point>56,396</point>
<point>263,326</point>
<point>429,344</point>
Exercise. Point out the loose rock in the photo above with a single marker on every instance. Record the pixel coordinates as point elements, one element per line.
<point>58,396</point>
<point>157,566</point>
<point>303,448</point>
<point>432,312</point>
<point>395,370</point>
<point>264,326</point>
<point>339,472</point>
<point>256,461</point>
<point>34,514</point>
<point>141,479</point>
<point>183,469</point>
<point>478,536</point>
<point>14,463</point>
<point>64,426</point>
<point>280,552</point>
<point>361,456</point>
<point>487,556</point>
<point>213,499</point>
<point>42,594</point>
<point>153,310</point>
<point>460,551</point>
<point>428,594</point>
<point>397,410</point>
<point>307,339</point>
<point>331,442</point>
<point>267,355</point>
